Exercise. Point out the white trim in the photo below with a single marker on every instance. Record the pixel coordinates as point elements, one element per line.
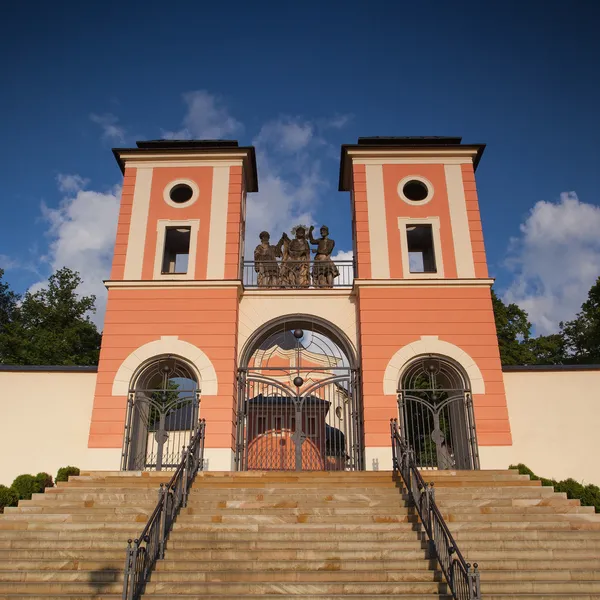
<point>424,181</point>
<point>430,344</point>
<point>136,240</point>
<point>217,233</point>
<point>219,459</point>
<point>423,160</point>
<point>167,344</point>
<point>303,293</point>
<point>437,247</point>
<point>172,184</point>
<point>149,284</point>
<point>161,226</point>
<point>378,239</point>
<point>459,220</point>
<point>418,155</point>
<point>379,458</point>
<point>391,283</point>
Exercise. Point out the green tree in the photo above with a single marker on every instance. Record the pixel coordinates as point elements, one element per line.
<point>8,303</point>
<point>50,326</point>
<point>513,329</point>
<point>517,347</point>
<point>582,334</point>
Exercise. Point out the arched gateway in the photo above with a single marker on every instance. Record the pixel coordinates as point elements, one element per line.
<point>299,405</point>
<point>436,413</point>
<point>162,411</point>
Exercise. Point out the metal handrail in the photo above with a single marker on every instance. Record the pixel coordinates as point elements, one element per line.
<point>143,552</point>
<point>307,274</point>
<point>463,579</point>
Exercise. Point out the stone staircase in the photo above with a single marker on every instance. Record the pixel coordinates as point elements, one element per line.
<point>314,535</point>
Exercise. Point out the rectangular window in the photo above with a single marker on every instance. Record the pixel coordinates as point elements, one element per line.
<point>421,255</point>
<point>177,250</point>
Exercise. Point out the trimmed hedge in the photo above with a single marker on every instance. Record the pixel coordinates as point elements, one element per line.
<point>24,486</point>
<point>64,473</point>
<point>27,485</point>
<point>588,495</point>
<point>8,497</point>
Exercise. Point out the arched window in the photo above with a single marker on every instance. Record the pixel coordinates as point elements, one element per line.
<point>162,414</point>
<point>436,413</point>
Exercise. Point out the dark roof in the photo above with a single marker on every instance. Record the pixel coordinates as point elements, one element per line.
<point>185,144</point>
<point>50,368</point>
<point>422,140</point>
<point>512,368</point>
<point>404,142</point>
<point>195,146</point>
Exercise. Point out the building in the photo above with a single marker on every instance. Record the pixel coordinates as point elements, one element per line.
<point>295,363</point>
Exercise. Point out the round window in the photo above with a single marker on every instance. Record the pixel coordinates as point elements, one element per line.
<point>415,190</point>
<point>181,193</point>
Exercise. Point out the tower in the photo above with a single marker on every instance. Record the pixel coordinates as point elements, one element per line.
<point>424,304</point>
<point>170,334</point>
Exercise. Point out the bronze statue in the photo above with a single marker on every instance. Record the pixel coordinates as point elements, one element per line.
<point>265,262</point>
<point>294,271</point>
<point>324,269</point>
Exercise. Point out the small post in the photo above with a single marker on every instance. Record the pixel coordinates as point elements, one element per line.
<point>128,567</point>
<point>162,521</point>
<point>474,583</point>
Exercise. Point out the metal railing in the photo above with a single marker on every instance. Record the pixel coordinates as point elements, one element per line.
<point>297,275</point>
<point>143,552</point>
<point>462,578</point>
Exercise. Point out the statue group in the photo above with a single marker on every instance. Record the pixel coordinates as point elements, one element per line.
<point>293,271</point>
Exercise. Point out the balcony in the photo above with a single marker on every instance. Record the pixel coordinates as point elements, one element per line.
<point>298,275</point>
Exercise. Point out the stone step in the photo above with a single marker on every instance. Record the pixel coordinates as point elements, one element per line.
<point>109,575</point>
<point>540,575</point>
<point>63,554</point>
<point>81,537</point>
<point>246,588</point>
<point>531,544</point>
<point>104,596</point>
<point>295,554</point>
<point>293,576</point>
<point>498,566</point>
<point>185,565</point>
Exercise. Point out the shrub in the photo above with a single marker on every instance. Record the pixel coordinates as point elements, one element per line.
<point>588,495</point>
<point>64,473</point>
<point>8,497</point>
<point>44,481</point>
<point>25,486</point>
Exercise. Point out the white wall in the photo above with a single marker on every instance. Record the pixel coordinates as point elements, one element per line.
<point>554,416</point>
<point>45,419</point>
<point>555,422</point>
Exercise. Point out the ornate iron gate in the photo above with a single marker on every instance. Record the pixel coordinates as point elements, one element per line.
<point>299,405</point>
<point>436,414</point>
<point>162,414</point>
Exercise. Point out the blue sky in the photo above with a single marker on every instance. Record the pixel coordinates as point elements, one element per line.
<point>298,80</point>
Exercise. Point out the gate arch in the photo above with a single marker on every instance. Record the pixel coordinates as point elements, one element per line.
<point>163,407</point>
<point>299,405</point>
<point>436,413</point>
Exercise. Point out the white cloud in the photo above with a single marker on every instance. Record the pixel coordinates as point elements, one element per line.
<point>338,121</point>
<point>111,130</point>
<point>556,260</point>
<point>286,134</point>
<point>343,255</point>
<point>291,181</point>
<point>6,262</point>
<point>206,118</point>
<point>82,231</point>
<point>71,183</point>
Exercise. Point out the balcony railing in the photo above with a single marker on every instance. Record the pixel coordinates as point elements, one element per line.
<point>298,275</point>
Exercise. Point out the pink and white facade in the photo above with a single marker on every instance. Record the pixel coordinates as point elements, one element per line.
<point>410,197</point>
